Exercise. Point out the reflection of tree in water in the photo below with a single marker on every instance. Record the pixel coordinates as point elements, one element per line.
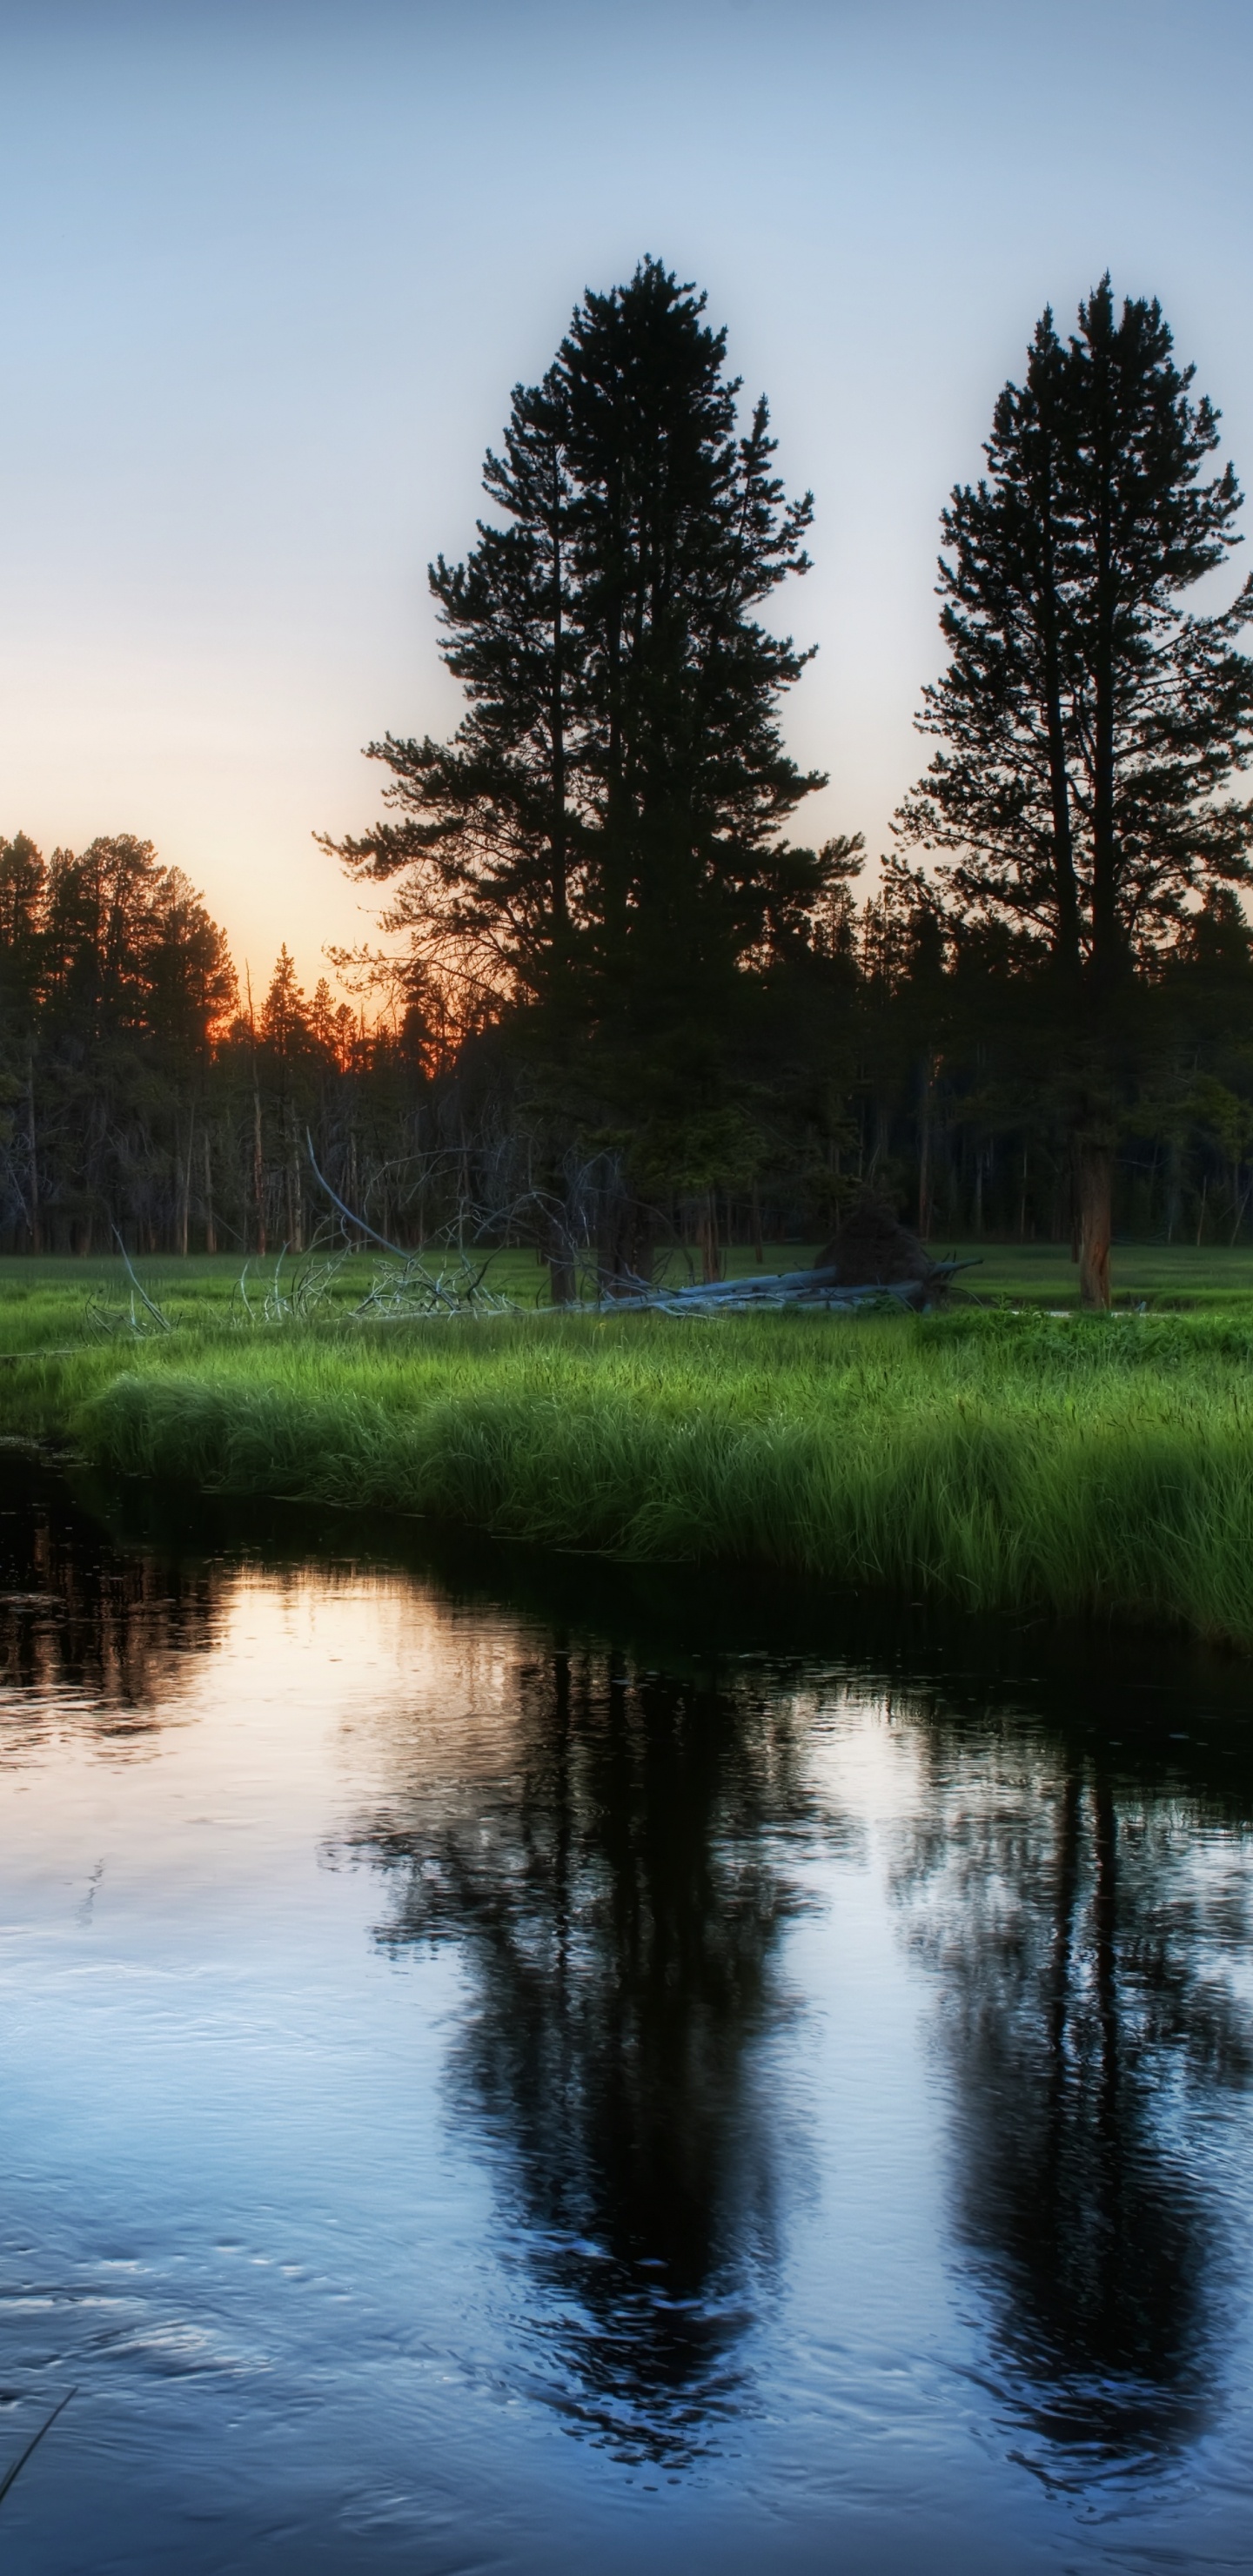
<point>1084,1938</point>
<point>618,1903</point>
<point>80,1618</point>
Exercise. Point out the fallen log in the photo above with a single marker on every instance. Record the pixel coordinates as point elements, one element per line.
<point>771,1292</point>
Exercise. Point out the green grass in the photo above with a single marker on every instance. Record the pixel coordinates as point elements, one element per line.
<point>52,1292</point>
<point>1176,1277</point>
<point>999,1458</point>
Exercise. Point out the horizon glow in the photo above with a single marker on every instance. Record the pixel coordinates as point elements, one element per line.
<point>269,273</point>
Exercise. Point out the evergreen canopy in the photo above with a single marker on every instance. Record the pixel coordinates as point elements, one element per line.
<point>602,836</point>
<point>1090,724</point>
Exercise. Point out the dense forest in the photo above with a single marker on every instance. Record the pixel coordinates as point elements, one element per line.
<point>619,1006</point>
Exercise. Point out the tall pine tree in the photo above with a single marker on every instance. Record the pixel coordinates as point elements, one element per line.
<point>681,534</point>
<point>1090,725</point>
<point>602,840</point>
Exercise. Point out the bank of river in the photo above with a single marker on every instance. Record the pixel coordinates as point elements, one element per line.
<point>511,2062</point>
<point>997,1460</point>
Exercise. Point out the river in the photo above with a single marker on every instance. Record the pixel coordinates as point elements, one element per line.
<point>511,2064</point>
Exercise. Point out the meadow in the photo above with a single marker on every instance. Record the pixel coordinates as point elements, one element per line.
<point>1002,1454</point>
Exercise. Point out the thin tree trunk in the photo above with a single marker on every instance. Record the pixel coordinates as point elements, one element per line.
<point>258,1156</point>
<point>924,1148</point>
<point>295,1185</point>
<point>210,1230</point>
<point>258,1168</point>
<point>184,1210</point>
<point>1094,1206</point>
<point>711,1266</point>
<point>36,1232</point>
<point>624,1250</point>
<point>562,1281</point>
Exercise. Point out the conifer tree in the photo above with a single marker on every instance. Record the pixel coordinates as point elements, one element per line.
<point>602,837</point>
<point>681,533</point>
<point>1090,725</point>
<point>284,1013</point>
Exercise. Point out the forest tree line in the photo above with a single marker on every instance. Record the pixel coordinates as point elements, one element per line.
<point>621,1007</point>
<point>140,1092</point>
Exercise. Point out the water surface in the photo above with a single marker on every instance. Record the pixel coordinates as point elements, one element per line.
<point>514,2066</point>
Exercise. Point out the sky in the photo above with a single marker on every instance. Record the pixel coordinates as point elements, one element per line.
<point>270,268</point>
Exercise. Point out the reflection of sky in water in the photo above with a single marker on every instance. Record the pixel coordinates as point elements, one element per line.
<point>469,2101</point>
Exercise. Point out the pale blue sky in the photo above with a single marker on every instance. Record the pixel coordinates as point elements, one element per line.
<point>268,272</point>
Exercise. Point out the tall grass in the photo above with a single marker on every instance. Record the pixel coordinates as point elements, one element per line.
<point>1086,1466</point>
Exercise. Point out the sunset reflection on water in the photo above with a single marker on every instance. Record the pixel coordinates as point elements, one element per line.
<point>817,2100</point>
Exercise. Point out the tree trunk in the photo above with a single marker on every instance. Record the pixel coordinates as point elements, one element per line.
<point>626,1250</point>
<point>36,1231</point>
<point>1094,1197</point>
<point>711,1264</point>
<point>295,1184</point>
<point>924,1148</point>
<point>184,1195</point>
<point>210,1230</point>
<point>1174,1184</point>
<point>258,1157</point>
<point>258,1170</point>
<point>562,1278</point>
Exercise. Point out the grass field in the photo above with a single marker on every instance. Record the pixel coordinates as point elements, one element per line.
<point>999,1455</point>
<point>34,1293</point>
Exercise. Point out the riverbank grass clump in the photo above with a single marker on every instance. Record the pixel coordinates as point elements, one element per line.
<point>998,1459</point>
